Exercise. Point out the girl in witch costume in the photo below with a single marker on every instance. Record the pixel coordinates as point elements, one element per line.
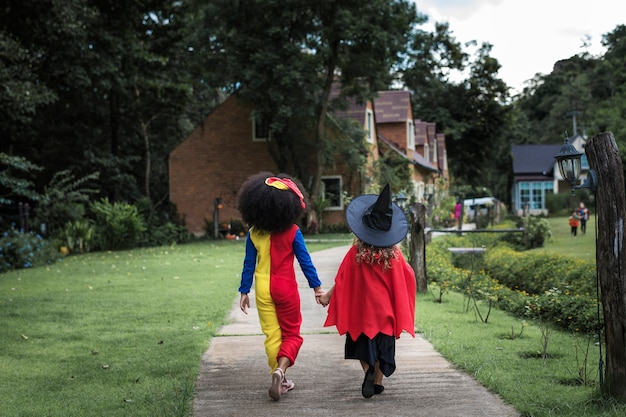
<point>373,299</point>
<point>271,205</point>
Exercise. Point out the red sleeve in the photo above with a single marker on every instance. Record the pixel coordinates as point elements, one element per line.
<point>369,300</point>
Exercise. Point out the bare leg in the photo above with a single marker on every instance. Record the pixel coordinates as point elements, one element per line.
<point>279,382</point>
<point>367,389</point>
<point>378,378</point>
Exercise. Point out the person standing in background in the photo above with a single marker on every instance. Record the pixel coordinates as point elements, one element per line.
<point>583,213</point>
<point>574,221</point>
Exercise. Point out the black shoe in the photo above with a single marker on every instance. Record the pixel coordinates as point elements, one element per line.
<point>367,389</point>
<point>378,389</point>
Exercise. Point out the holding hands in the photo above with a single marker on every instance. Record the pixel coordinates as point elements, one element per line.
<point>322,297</point>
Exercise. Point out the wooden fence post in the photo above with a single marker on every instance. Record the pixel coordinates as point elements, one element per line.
<point>604,158</point>
<point>417,247</point>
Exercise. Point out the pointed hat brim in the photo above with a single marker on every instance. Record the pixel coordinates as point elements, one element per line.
<point>354,216</point>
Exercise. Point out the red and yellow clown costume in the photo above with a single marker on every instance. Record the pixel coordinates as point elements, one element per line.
<point>269,262</point>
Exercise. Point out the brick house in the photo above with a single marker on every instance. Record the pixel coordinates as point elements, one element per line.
<point>209,166</point>
<point>415,140</point>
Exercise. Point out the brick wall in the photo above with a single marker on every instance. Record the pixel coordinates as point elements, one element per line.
<point>213,162</point>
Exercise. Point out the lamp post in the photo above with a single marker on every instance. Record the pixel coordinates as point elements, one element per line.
<point>401,199</point>
<point>569,162</point>
<point>217,205</point>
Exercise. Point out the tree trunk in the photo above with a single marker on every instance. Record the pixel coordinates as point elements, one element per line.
<point>147,156</point>
<point>417,256</point>
<point>604,158</point>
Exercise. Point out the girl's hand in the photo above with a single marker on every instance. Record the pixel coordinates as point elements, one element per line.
<point>244,303</point>
<point>323,299</point>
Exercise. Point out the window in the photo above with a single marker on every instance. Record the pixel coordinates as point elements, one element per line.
<point>410,134</point>
<point>369,124</point>
<point>534,194</point>
<point>332,192</point>
<point>584,164</point>
<point>260,129</point>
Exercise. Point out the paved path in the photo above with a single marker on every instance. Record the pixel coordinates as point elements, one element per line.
<point>234,376</point>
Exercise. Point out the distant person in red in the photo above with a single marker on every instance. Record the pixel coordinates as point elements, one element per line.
<point>373,299</point>
<point>573,221</point>
<point>457,214</point>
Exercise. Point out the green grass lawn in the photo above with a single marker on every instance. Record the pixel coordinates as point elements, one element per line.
<point>583,246</point>
<point>116,333</point>
<point>122,334</point>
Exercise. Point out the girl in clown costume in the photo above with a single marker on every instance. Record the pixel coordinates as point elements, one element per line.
<point>271,205</point>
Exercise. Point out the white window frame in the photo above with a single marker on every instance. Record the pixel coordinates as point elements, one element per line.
<point>410,134</point>
<point>369,125</point>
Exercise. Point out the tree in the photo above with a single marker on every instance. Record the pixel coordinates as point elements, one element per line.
<point>14,181</point>
<point>117,88</point>
<point>610,254</point>
<point>472,113</point>
<point>285,56</point>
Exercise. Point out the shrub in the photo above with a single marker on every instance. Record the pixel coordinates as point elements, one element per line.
<point>118,225</point>
<point>160,229</point>
<point>537,273</point>
<point>24,250</point>
<point>545,287</point>
<point>537,231</point>
<point>63,200</point>
<point>77,236</point>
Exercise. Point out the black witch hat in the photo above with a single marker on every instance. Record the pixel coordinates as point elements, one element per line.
<point>376,220</point>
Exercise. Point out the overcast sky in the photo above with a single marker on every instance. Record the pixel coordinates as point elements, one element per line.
<point>528,36</point>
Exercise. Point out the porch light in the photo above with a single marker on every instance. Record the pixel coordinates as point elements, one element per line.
<point>400,200</point>
<point>569,161</point>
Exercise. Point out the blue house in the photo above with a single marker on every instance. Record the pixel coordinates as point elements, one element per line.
<point>536,175</point>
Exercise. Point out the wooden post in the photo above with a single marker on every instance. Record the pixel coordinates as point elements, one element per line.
<point>604,159</point>
<point>417,247</point>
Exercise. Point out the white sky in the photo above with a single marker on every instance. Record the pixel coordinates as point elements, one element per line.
<point>528,36</point>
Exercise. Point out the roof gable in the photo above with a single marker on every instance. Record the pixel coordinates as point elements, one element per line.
<point>392,106</point>
<point>534,159</point>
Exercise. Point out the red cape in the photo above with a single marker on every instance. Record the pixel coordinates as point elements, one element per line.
<point>369,300</point>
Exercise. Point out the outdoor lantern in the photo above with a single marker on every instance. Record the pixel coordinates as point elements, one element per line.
<point>401,200</point>
<point>569,161</point>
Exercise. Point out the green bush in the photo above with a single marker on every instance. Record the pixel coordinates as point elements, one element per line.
<point>165,234</point>
<point>160,229</point>
<point>64,200</point>
<point>77,236</point>
<point>536,273</point>
<point>119,225</point>
<point>25,250</point>
<point>537,231</point>
<point>547,287</point>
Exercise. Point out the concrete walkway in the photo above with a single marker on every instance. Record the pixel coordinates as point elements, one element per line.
<point>234,376</point>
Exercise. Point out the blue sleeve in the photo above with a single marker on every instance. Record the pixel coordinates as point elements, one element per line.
<point>249,264</point>
<point>304,259</point>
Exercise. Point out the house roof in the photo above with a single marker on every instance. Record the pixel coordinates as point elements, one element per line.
<point>421,161</point>
<point>392,106</point>
<point>414,157</point>
<point>353,110</point>
<point>534,159</point>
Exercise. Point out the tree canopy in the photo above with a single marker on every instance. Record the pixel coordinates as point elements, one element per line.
<point>112,87</point>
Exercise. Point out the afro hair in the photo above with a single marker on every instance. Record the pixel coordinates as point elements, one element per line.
<point>267,208</point>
